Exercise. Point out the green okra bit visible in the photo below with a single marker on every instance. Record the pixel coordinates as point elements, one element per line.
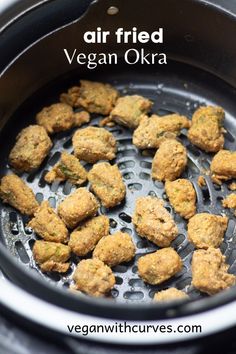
<point>68,173</point>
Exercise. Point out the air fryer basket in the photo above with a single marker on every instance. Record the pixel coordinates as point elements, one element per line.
<point>200,71</point>
<point>170,94</point>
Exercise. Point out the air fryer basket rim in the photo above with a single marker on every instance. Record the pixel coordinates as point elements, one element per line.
<point>96,306</point>
<point>128,311</point>
<point>38,308</point>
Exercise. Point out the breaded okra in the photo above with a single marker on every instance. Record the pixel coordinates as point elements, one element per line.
<point>32,146</point>
<point>80,118</point>
<point>106,182</point>
<point>51,256</point>
<point>153,221</point>
<point>223,166</point>
<point>93,277</point>
<point>169,161</point>
<point>84,239</point>
<point>95,97</point>
<point>152,131</point>
<point>129,110</point>
<point>68,168</point>
<point>15,192</point>
<point>115,249</point>
<point>171,294</point>
<point>56,118</point>
<point>206,130</point>
<point>78,206</point>
<point>92,144</point>
<point>47,224</point>
<point>201,181</point>
<point>155,268</point>
<point>210,272</point>
<point>230,202</point>
<point>207,230</point>
<point>182,197</point>
<point>232,186</point>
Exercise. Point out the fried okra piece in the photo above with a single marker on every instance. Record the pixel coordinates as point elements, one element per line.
<point>56,118</point>
<point>15,192</point>
<point>51,256</point>
<point>106,182</point>
<point>223,166</point>
<point>93,277</point>
<point>182,197</point>
<point>171,294</point>
<point>210,272</point>
<point>230,202</point>
<point>152,131</point>
<point>155,268</point>
<point>129,110</point>
<point>93,144</point>
<point>47,224</point>
<point>95,97</point>
<point>206,131</point>
<point>84,239</point>
<point>153,221</point>
<point>115,249</point>
<point>207,230</point>
<point>201,181</point>
<point>78,206</point>
<point>81,118</point>
<point>68,168</point>
<point>32,146</point>
<point>232,186</point>
<point>169,161</point>
<point>71,96</point>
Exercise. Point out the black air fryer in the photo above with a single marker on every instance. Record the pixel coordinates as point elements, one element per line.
<point>199,42</point>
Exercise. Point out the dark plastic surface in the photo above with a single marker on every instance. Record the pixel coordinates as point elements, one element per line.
<point>193,29</point>
<point>25,21</point>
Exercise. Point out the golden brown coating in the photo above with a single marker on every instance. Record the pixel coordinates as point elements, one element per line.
<point>152,131</point>
<point>169,161</point>
<point>92,144</point>
<point>78,206</point>
<point>171,294</point>
<point>84,239</point>
<point>207,230</point>
<point>15,192</point>
<point>106,182</point>
<point>201,181</point>
<point>81,118</point>
<point>223,166</point>
<point>56,118</point>
<point>182,197</point>
<point>93,277</point>
<point>230,202</point>
<point>95,97</point>
<point>51,256</point>
<point>107,121</point>
<point>129,110</point>
<point>206,130</point>
<point>155,268</point>
<point>153,221</point>
<point>71,96</point>
<point>47,224</point>
<point>210,272</point>
<point>68,168</point>
<point>232,186</point>
<point>115,249</point>
<point>31,147</point>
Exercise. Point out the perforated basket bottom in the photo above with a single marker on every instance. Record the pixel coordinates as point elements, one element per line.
<point>181,96</point>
